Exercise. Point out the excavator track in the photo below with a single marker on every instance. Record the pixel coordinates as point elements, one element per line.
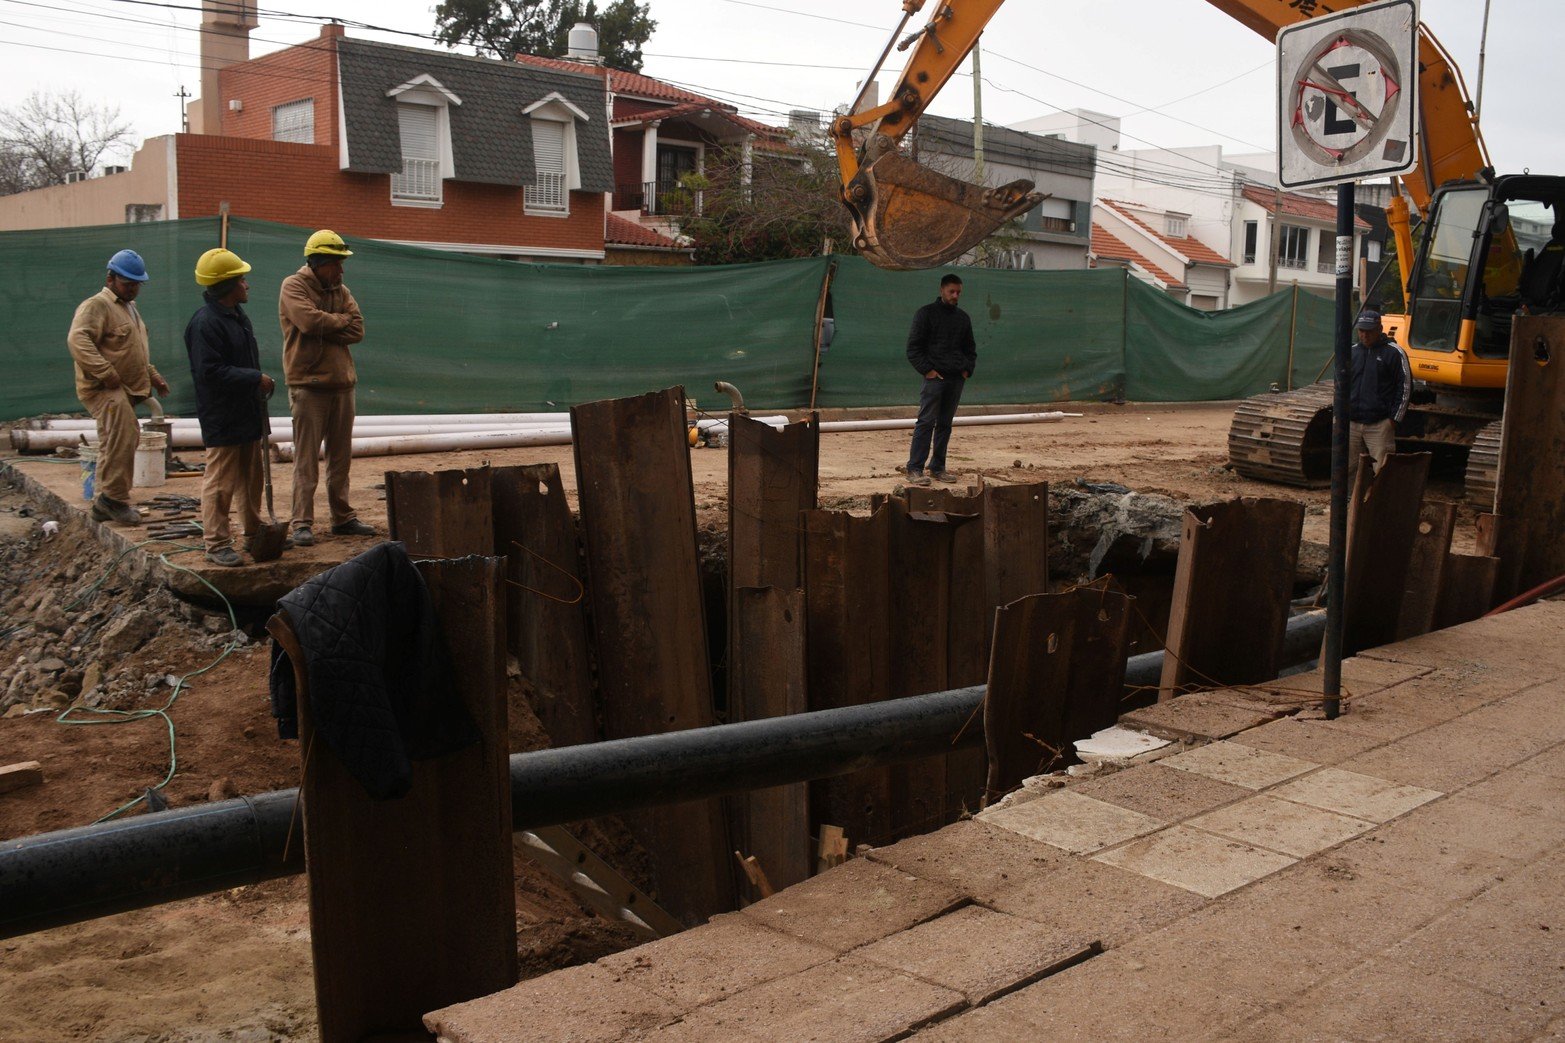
<point>1483,466</point>
<point>1284,437</point>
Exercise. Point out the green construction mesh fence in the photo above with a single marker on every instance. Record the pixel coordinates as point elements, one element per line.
<point>452,333</point>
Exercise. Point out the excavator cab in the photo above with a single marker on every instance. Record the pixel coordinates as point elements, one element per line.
<point>905,215</point>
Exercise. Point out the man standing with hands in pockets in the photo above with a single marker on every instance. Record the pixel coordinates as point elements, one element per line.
<point>940,346</point>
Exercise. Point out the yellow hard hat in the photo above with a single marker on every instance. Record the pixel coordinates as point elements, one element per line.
<point>219,265</point>
<point>327,242</point>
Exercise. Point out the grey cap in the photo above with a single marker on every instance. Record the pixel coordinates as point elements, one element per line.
<point>1369,319</point>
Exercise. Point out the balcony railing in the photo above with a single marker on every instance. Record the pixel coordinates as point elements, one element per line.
<point>657,197</point>
<point>419,181</point>
<point>1292,262</point>
<point>548,194</point>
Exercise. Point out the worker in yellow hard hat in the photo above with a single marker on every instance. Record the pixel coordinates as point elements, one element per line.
<point>231,394</point>
<point>109,344</point>
<point>321,321</point>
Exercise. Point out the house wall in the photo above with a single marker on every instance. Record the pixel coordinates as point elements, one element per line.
<point>301,185</point>
<point>99,200</point>
<point>627,144</point>
<point>1152,249</point>
<point>1250,281</point>
<point>1202,187</point>
<point>306,71</point>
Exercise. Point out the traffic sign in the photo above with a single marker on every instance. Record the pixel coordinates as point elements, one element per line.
<point>1347,90</point>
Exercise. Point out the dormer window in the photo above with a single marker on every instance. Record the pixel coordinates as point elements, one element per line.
<point>1176,225</point>
<point>424,125</point>
<point>557,170</point>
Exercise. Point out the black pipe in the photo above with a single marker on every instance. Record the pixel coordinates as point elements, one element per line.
<point>55,879</point>
<point>1337,549</point>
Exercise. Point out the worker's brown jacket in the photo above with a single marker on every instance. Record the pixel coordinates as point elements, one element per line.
<point>108,334</point>
<point>318,325</point>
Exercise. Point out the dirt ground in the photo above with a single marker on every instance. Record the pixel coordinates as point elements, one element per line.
<point>236,966</point>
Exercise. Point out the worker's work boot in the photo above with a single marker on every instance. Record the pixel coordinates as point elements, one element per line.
<point>917,477</point>
<point>302,536</point>
<point>947,477</point>
<point>353,528</point>
<point>107,510</point>
<point>225,556</point>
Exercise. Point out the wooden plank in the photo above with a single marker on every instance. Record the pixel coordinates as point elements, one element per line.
<point>654,674</point>
<point>441,514</point>
<point>772,476</point>
<point>21,775</point>
<point>1530,493</point>
<point>1097,678</point>
<point>847,607</point>
<point>1383,516</point>
<point>1467,590</point>
<point>920,625</point>
<point>833,848</point>
<point>967,658</point>
<point>1426,569</point>
<point>1029,678</point>
<point>1232,585</point>
<point>767,679</point>
<point>546,600</point>
<point>412,901</point>
<point>594,881</point>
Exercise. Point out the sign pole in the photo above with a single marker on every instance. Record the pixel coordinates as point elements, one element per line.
<point>1337,554</point>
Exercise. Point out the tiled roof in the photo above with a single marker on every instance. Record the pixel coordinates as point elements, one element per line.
<point>1002,144</point>
<point>491,137</point>
<point>691,108</point>
<point>617,231</point>
<point>1189,247</point>
<point>620,80</point>
<point>1111,247</point>
<point>1296,205</point>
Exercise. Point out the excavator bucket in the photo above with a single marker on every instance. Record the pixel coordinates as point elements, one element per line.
<point>906,216</point>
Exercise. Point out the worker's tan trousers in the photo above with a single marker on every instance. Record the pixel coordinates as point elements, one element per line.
<point>321,417</point>
<point>117,438</point>
<point>1379,440</point>
<point>233,476</point>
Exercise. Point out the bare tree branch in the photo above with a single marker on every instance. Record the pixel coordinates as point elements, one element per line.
<point>50,135</point>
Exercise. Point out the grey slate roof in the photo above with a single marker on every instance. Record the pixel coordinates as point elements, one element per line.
<point>491,140</point>
<point>1033,151</point>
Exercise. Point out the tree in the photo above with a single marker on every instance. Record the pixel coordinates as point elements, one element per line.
<point>506,28</point>
<point>789,207</point>
<point>51,135</point>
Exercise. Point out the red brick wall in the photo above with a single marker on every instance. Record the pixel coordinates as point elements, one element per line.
<point>627,156</point>
<point>306,71</point>
<point>302,185</point>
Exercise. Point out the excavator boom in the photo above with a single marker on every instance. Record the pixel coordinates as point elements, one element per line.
<point>906,215</point>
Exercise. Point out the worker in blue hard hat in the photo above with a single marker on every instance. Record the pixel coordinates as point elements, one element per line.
<point>108,341</point>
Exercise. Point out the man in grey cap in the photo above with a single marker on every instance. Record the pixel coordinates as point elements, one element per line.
<point>1378,390</point>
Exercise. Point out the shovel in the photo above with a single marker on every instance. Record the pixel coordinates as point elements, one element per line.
<point>268,542</point>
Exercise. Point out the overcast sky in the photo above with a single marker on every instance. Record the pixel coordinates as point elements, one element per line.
<point>1178,72</point>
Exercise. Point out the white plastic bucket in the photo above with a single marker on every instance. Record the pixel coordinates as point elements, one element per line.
<point>150,449</point>
<point>88,455</point>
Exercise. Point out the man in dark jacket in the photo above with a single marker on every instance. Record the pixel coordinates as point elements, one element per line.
<point>940,346</point>
<point>1381,385</point>
<point>231,390</point>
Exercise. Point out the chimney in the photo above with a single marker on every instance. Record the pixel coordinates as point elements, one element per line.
<point>225,41</point>
<point>581,44</point>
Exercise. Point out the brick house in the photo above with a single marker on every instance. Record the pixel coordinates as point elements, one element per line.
<point>375,140</point>
<point>660,133</point>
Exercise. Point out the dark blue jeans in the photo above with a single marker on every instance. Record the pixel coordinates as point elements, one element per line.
<point>936,406</point>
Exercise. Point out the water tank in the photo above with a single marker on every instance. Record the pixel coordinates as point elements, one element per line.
<point>582,42</point>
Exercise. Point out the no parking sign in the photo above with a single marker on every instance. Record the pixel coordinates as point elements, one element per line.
<point>1348,95</point>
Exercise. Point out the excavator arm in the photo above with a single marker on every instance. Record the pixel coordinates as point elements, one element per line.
<point>908,216</point>
<point>905,215</point>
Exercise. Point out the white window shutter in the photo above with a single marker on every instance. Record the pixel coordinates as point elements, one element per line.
<point>420,131</point>
<point>295,122</point>
<point>549,191</point>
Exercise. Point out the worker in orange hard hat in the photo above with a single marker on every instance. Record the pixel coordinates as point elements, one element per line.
<point>108,342</point>
<point>321,321</point>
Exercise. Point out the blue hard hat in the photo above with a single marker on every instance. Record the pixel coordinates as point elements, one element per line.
<point>127,264</point>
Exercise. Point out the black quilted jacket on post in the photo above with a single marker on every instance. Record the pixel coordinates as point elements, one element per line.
<point>379,676</point>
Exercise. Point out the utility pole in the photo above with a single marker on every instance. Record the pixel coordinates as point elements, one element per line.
<point>1483,44</point>
<point>184,113</point>
<point>978,118</point>
<point>1272,229</point>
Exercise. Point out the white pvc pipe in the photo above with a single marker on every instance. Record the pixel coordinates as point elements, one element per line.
<point>189,436</point>
<point>490,420</point>
<point>961,421</point>
<point>399,445</point>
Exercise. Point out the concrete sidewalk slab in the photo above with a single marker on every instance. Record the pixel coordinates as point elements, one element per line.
<point>1361,676</point>
<point>1239,765</point>
<point>1350,793</point>
<point>1512,834</point>
<point>1523,791</point>
<point>1162,793</point>
<point>1319,741</point>
<point>972,857</point>
<point>1072,822</point>
<point>1280,825</point>
<point>1091,900</point>
<point>1445,757</point>
<point>858,903</point>
<point>1200,862</point>
<point>978,952</point>
<point>596,1005</point>
<point>1202,716</point>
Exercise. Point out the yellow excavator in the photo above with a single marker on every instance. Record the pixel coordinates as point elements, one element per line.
<point>1487,248</point>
